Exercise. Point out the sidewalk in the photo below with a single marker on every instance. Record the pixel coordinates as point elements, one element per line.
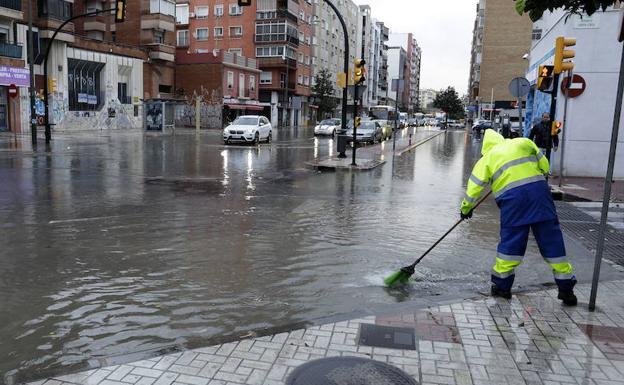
<point>530,340</point>
<point>586,189</point>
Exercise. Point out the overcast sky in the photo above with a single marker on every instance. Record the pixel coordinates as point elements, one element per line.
<point>443,30</point>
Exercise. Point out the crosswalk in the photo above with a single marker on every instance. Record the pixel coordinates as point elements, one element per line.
<point>616,212</point>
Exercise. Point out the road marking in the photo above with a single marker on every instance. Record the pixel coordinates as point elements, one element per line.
<point>81,219</point>
<point>413,146</point>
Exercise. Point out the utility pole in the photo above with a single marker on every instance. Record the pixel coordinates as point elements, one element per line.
<point>31,68</point>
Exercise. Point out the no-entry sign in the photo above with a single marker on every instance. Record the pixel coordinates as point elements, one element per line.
<point>574,88</point>
<point>12,91</point>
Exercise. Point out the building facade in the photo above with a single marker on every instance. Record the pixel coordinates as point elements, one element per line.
<point>501,38</point>
<point>278,33</point>
<point>398,71</point>
<point>411,77</point>
<point>587,133</point>
<point>426,99</point>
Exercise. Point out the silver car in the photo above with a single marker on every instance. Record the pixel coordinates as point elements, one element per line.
<point>368,132</point>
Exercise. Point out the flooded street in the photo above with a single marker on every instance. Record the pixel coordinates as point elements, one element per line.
<point>122,243</point>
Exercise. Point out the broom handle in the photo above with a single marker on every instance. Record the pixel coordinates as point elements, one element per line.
<point>448,232</point>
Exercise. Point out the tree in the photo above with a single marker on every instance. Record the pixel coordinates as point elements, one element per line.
<point>536,8</point>
<point>324,92</point>
<point>450,103</point>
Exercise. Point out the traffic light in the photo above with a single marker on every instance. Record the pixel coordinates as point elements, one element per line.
<point>360,72</point>
<point>561,54</point>
<point>120,11</point>
<point>52,85</point>
<point>244,3</point>
<point>358,121</point>
<point>556,128</point>
<point>545,78</point>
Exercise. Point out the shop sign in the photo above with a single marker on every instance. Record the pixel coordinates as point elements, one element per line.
<point>14,75</point>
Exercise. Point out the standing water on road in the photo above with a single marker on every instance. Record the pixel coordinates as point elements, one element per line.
<point>122,243</point>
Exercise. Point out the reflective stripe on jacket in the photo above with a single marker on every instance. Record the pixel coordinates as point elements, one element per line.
<point>506,164</point>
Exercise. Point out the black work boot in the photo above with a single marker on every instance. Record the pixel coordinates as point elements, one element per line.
<point>568,298</point>
<point>496,292</point>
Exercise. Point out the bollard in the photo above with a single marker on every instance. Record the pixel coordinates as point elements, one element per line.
<point>410,140</point>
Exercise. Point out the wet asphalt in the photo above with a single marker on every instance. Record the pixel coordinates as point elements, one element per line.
<point>117,243</point>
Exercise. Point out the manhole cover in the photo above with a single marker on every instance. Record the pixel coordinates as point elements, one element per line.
<point>348,371</point>
<point>387,337</point>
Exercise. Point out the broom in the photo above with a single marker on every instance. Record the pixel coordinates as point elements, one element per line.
<point>406,272</point>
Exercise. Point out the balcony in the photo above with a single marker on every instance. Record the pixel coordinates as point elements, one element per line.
<point>15,5</point>
<point>164,7</point>
<point>276,62</point>
<point>10,50</point>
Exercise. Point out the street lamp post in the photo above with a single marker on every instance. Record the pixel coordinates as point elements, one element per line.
<point>285,103</point>
<point>31,65</point>
<point>342,139</point>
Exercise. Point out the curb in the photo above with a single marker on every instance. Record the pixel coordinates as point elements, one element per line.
<point>413,146</point>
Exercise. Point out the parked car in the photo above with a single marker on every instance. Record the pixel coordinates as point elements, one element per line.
<point>481,126</point>
<point>248,129</point>
<point>327,127</point>
<point>368,132</point>
<point>412,122</point>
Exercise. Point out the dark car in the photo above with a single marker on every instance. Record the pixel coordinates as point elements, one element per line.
<point>481,126</point>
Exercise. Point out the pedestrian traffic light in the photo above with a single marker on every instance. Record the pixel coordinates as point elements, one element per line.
<point>52,85</point>
<point>545,78</point>
<point>120,11</point>
<point>360,72</point>
<point>358,121</point>
<point>556,128</point>
<point>244,3</point>
<point>561,54</point>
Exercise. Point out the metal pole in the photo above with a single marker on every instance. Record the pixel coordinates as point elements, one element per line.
<point>520,120</point>
<point>284,103</point>
<point>345,91</point>
<point>492,108</point>
<point>355,114</point>
<point>31,69</point>
<point>197,114</point>
<point>607,189</point>
<point>396,116</point>
<point>553,108</point>
<point>565,120</point>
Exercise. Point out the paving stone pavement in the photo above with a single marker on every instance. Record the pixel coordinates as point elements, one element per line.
<point>530,340</point>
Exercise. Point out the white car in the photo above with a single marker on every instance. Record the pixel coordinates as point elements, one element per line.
<point>327,127</point>
<point>248,129</point>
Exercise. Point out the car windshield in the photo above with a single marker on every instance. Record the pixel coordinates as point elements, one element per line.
<point>367,126</point>
<point>246,121</point>
<point>329,122</point>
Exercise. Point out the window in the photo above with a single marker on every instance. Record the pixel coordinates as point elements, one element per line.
<point>164,7</point>
<point>201,12</point>
<point>314,41</point>
<point>266,77</point>
<point>300,79</point>
<point>57,9</point>
<point>201,33</point>
<point>275,51</point>
<point>307,40</point>
<point>264,15</point>
<point>159,37</point>
<point>230,80</point>
<point>301,57</point>
<point>301,37</point>
<point>252,83</point>
<point>236,31</point>
<point>164,88</point>
<point>235,10</point>
<point>302,15</point>
<point>236,51</point>
<point>537,34</point>
<point>183,38</point>
<point>122,93</point>
<point>306,80</point>
<point>241,85</point>
<point>313,60</point>
<point>218,32</point>
<point>4,34</point>
<point>307,60</point>
<point>182,14</point>
<point>218,10</point>
<point>84,85</point>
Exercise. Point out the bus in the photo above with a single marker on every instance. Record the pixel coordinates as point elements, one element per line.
<point>383,113</point>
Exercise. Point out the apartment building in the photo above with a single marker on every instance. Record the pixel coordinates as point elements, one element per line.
<point>398,71</point>
<point>382,88</point>
<point>411,76</point>
<point>374,54</point>
<point>328,39</point>
<point>426,99</point>
<point>501,38</point>
<point>277,33</point>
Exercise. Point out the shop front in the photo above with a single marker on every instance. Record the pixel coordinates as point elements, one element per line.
<point>10,107</point>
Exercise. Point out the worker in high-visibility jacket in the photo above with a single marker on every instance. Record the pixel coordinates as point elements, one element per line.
<point>516,170</point>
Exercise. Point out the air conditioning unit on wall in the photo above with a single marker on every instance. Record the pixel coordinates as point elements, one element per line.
<point>191,15</point>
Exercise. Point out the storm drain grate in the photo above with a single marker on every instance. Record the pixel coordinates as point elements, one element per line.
<point>387,337</point>
<point>348,371</point>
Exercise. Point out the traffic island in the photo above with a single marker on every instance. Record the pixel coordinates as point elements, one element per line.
<point>333,164</point>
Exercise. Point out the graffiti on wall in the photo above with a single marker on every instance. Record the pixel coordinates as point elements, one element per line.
<point>211,110</point>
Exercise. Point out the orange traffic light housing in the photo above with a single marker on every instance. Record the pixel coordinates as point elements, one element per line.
<point>562,54</point>
<point>244,3</point>
<point>120,11</point>
<point>360,72</point>
<point>556,128</point>
<point>358,121</point>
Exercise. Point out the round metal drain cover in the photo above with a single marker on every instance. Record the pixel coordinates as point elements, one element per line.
<point>348,371</point>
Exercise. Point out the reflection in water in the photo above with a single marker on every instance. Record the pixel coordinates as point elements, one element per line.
<point>226,175</point>
<point>250,179</point>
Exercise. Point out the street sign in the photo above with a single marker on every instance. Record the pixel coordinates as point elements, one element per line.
<point>13,91</point>
<point>575,89</point>
<point>519,87</point>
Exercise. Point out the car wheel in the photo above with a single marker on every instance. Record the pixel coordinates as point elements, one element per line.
<point>270,137</point>
<point>226,141</point>
<point>256,140</point>
<point>334,133</point>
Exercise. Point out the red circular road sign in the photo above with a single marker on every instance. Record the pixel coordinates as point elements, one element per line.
<point>13,91</point>
<point>575,89</point>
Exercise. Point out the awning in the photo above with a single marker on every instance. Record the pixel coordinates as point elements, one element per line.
<point>249,107</point>
<point>313,106</point>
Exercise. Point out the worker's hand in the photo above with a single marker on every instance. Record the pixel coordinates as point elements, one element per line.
<point>466,216</point>
<point>555,149</point>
